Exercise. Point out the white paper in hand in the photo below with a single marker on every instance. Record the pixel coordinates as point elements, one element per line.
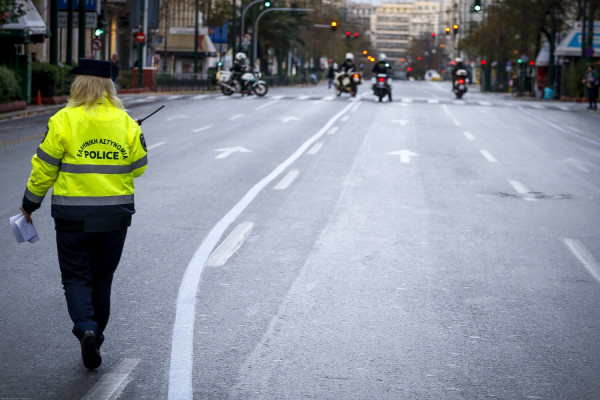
<point>23,230</point>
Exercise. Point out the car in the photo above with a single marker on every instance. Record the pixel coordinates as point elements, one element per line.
<point>432,75</point>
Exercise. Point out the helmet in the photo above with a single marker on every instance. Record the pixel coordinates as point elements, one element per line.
<point>350,56</point>
<point>240,57</point>
<point>458,60</point>
<point>382,57</point>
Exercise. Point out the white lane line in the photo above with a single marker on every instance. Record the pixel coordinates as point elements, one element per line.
<point>407,100</point>
<point>485,103</point>
<point>559,128</point>
<point>155,145</point>
<point>303,97</point>
<point>345,118</point>
<point>202,128</point>
<point>469,135</point>
<point>201,96</point>
<point>584,257</point>
<point>433,101</point>
<point>328,98</point>
<point>522,190</point>
<point>446,110</point>
<point>176,117</point>
<point>287,180</point>
<point>182,342</point>
<point>456,122</point>
<point>278,97</point>
<point>236,116</point>
<point>176,96</point>
<point>315,149</point>
<point>112,384</point>
<point>333,130</point>
<point>488,156</point>
<point>230,245</point>
<point>266,105</point>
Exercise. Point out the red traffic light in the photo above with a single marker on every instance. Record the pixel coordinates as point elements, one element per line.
<point>532,63</point>
<point>483,62</point>
<point>409,69</point>
<point>433,35</point>
<point>355,34</point>
<point>348,34</point>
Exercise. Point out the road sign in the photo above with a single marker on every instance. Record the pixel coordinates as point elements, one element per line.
<point>589,51</point>
<point>140,37</point>
<point>91,19</point>
<point>96,44</point>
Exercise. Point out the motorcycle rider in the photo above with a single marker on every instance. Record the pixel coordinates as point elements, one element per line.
<point>239,68</point>
<point>459,64</point>
<point>347,68</point>
<point>382,66</point>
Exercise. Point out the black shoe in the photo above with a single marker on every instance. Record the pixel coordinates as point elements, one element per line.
<point>89,350</point>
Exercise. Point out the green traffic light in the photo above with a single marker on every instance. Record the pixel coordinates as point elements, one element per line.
<point>99,32</point>
<point>267,4</point>
<point>520,61</point>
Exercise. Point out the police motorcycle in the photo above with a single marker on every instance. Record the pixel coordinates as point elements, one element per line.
<point>347,78</point>
<point>459,79</point>
<point>381,82</point>
<point>248,82</point>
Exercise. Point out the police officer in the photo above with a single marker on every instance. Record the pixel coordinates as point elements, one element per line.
<point>382,66</point>
<point>239,68</point>
<point>90,154</point>
<point>458,65</point>
<point>347,68</point>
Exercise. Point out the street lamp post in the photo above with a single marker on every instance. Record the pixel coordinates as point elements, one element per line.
<point>254,53</point>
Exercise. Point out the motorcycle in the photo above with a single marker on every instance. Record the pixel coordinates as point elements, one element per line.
<point>251,83</point>
<point>381,86</point>
<point>349,83</point>
<point>460,83</point>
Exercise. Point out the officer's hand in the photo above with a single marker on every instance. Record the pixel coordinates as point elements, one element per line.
<point>139,122</point>
<point>27,216</point>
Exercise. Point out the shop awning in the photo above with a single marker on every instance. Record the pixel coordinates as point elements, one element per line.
<point>29,28</point>
<point>570,46</point>
<point>184,43</point>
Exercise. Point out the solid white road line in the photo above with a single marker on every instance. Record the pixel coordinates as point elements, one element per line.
<point>230,245</point>
<point>176,117</point>
<point>456,122</point>
<point>585,257</point>
<point>112,384</point>
<point>521,189</point>
<point>236,116</point>
<point>202,129</point>
<point>315,149</point>
<point>469,135</point>
<point>155,145</point>
<point>446,110</point>
<point>488,156</point>
<point>182,341</point>
<point>287,180</point>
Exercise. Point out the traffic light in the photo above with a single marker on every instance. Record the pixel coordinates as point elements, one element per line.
<point>433,35</point>
<point>532,63</point>
<point>100,28</point>
<point>365,52</point>
<point>483,62</point>
<point>334,25</point>
<point>447,31</point>
<point>455,27</point>
<point>267,4</point>
<point>355,35</point>
<point>477,6</point>
<point>348,34</point>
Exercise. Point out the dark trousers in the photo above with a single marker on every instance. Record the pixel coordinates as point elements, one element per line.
<point>592,97</point>
<point>87,262</point>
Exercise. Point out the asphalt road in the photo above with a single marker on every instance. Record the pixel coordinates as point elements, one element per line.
<point>305,246</point>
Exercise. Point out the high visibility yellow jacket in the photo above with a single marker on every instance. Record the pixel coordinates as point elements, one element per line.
<point>90,158</point>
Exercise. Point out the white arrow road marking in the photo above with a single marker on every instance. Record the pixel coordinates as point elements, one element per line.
<point>522,190</point>
<point>112,384</point>
<point>405,155</point>
<point>202,129</point>
<point>155,145</point>
<point>488,156</point>
<point>230,150</point>
<point>584,257</point>
<point>230,245</point>
<point>402,122</point>
<point>287,180</point>
<point>288,119</point>
<point>176,117</point>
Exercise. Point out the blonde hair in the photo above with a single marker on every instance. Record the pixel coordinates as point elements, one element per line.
<point>89,90</point>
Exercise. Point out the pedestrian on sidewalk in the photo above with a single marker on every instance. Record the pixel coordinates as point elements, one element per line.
<point>591,82</point>
<point>90,154</point>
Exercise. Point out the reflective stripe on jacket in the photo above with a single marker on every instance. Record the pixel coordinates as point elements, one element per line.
<point>90,159</point>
